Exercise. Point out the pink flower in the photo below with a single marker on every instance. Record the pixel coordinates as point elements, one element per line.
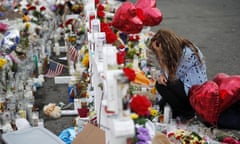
<point>3,27</point>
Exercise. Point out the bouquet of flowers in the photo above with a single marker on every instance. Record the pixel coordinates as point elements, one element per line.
<point>181,136</point>
<point>143,114</point>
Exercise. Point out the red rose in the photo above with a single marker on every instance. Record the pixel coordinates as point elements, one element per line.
<point>140,105</point>
<point>100,7</point>
<point>111,37</point>
<point>133,38</point>
<point>96,2</point>
<point>42,8</point>
<point>121,47</point>
<point>69,21</point>
<point>100,13</point>
<point>171,134</point>
<point>31,8</point>
<point>129,73</point>
<point>121,57</point>
<point>105,27</point>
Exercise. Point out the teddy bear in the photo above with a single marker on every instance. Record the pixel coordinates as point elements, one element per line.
<point>52,110</point>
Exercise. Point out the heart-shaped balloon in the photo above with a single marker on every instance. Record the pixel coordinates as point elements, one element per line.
<point>229,89</point>
<point>152,15</point>
<point>206,101</point>
<point>126,19</point>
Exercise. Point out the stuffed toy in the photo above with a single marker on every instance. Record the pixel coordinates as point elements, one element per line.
<point>52,110</point>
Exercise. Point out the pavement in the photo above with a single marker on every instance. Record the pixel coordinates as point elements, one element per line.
<point>213,25</point>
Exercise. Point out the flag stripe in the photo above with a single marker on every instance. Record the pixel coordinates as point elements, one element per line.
<point>54,69</point>
<point>73,54</point>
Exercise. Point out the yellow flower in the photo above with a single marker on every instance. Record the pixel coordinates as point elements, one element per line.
<point>75,7</point>
<point>2,62</point>
<point>134,116</point>
<point>72,39</point>
<point>26,18</point>
<point>27,25</point>
<point>85,60</point>
<point>154,90</point>
<point>153,112</point>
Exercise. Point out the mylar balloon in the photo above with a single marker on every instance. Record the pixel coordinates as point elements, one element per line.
<point>126,19</point>
<point>206,101</point>
<point>152,15</point>
<point>229,89</point>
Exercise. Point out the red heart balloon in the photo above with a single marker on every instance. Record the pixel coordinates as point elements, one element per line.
<point>152,15</point>
<point>219,77</point>
<point>126,19</point>
<point>229,89</point>
<point>205,100</point>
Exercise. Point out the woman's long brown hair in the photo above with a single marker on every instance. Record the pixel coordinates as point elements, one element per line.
<point>172,49</point>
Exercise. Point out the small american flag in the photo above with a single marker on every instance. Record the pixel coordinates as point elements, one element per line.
<point>73,54</point>
<point>54,69</point>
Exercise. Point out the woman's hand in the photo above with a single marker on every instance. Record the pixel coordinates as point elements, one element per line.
<point>162,79</point>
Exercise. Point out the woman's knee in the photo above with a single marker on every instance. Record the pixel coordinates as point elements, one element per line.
<point>160,86</point>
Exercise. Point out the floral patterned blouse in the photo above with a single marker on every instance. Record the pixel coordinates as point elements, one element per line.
<point>190,71</point>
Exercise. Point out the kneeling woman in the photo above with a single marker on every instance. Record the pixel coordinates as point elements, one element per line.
<point>182,66</point>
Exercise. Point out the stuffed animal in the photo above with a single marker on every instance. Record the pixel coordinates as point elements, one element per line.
<point>52,110</point>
